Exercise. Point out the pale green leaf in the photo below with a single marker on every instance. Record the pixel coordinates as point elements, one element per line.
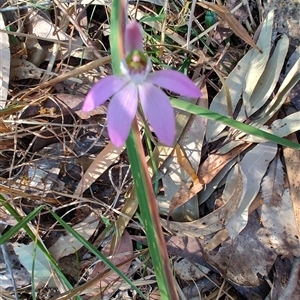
<point>68,244</point>
<point>32,253</point>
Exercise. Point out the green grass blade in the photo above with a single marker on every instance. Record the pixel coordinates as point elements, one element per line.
<point>206,113</point>
<point>96,252</point>
<point>14,213</point>
<point>21,224</point>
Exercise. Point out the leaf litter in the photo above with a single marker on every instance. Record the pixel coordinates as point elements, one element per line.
<point>228,201</point>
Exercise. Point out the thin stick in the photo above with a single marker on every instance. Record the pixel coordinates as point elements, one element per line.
<point>90,66</point>
<point>190,24</point>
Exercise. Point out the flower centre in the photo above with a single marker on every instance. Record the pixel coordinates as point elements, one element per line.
<point>136,62</point>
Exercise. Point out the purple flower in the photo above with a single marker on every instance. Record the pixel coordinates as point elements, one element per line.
<point>138,83</point>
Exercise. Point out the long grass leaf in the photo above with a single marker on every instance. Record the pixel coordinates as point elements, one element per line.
<point>206,113</point>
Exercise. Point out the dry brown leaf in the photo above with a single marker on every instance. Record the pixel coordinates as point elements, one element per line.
<point>105,158</point>
<point>246,259</point>
<point>217,219</point>
<point>282,287</point>
<point>184,246</point>
<point>67,244</point>
<point>127,212</point>
<point>23,69</point>
<point>272,185</point>
<point>208,170</point>
<point>223,234</point>
<point>234,217</point>
<point>292,164</point>
<point>122,253</point>
<point>280,225</point>
<point>234,24</point>
<point>185,164</point>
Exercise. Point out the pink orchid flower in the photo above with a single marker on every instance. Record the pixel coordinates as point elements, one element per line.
<point>136,84</point>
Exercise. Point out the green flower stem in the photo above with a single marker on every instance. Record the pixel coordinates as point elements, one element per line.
<point>150,215</point>
<point>143,186</point>
<point>117,27</point>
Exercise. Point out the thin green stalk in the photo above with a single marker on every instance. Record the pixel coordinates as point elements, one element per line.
<point>150,215</point>
<point>153,163</point>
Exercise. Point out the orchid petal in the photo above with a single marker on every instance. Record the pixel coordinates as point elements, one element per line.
<point>121,111</point>
<point>103,90</point>
<point>159,112</point>
<point>176,82</point>
<point>133,37</point>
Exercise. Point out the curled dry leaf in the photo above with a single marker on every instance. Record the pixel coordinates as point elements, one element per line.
<point>290,80</point>
<point>232,215</point>
<point>269,78</point>
<point>258,60</point>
